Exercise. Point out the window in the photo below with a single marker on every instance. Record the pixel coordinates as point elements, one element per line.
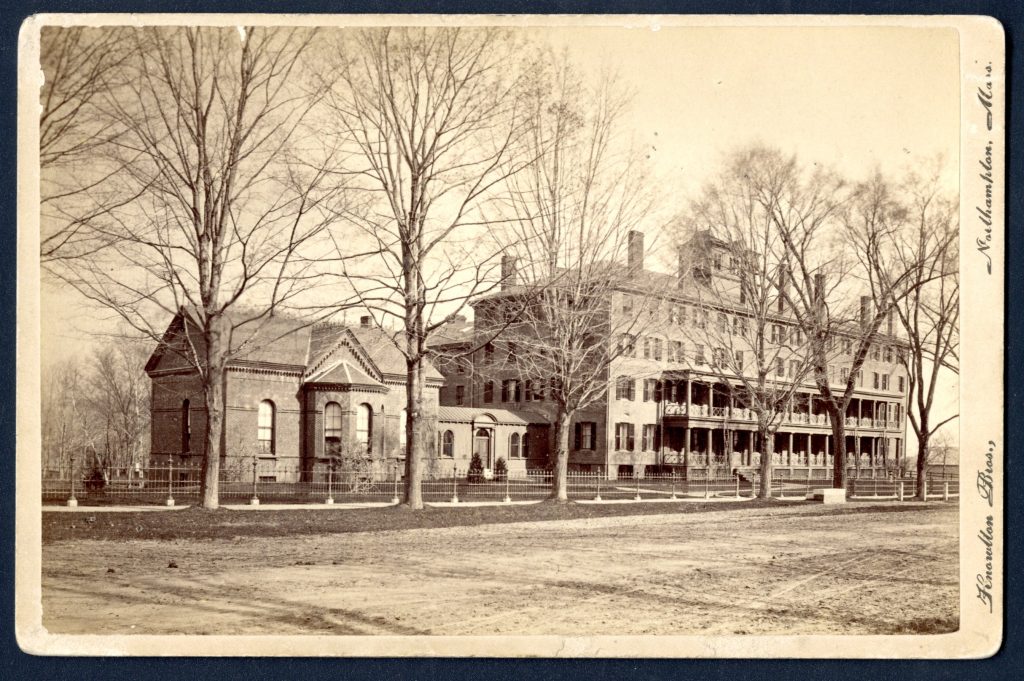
<point>448,444</point>
<point>647,348</point>
<point>364,426</point>
<point>460,395</point>
<point>860,378</point>
<point>627,305</point>
<point>512,353</point>
<point>649,438</point>
<point>488,392</point>
<point>513,446</point>
<point>723,322</point>
<point>625,437</point>
<point>700,318</point>
<point>901,356</point>
<point>885,381</point>
<point>718,356</point>
<point>265,427</point>
<point>403,421</point>
<point>657,391</point>
<point>657,349</point>
<point>776,333</point>
<point>586,432</point>
<point>739,360</point>
<point>624,388</point>
<point>847,346</point>
<point>794,366</point>
<point>526,446</point>
<point>627,345</point>
<point>888,354</point>
<point>650,389</point>
<point>528,391</point>
<point>676,352</point>
<point>902,384</point>
<point>716,259</point>
<point>874,377</point>
<point>332,429</point>
<point>488,353</point>
<point>186,427</point>
<point>505,391</point>
<point>673,314</point>
<point>698,355</point>
<point>875,354</point>
<point>780,367</point>
<point>460,366</point>
<point>844,375</point>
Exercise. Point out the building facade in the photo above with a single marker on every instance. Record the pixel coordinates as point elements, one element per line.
<point>300,398</point>
<point>665,406</point>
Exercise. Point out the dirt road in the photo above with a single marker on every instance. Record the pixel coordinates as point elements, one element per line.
<point>794,571</point>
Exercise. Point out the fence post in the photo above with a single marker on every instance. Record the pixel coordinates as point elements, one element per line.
<point>673,497</point>
<point>636,479</point>
<point>508,499</point>
<point>925,488</point>
<point>899,493</point>
<point>707,483</point>
<point>874,485</point>
<point>455,485</point>
<point>394,493</point>
<point>72,500</point>
<point>330,483</point>
<point>737,485</point>
<point>597,497</point>
<point>170,483</point>
<point>255,500</point>
<point>945,491</point>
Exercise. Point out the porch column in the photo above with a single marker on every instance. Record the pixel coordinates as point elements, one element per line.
<point>789,454</point>
<point>689,394</point>
<point>686,446</point>
<point>810,449</point>
<point>710,446</point>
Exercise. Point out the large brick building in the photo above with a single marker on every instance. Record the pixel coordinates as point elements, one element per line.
<point>664,406</point>
<point>298,396</point>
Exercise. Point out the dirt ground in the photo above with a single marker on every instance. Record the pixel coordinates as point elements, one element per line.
<point>795,569</point>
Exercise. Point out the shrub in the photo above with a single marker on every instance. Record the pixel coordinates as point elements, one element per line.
<point>500,469</point>
<point>476,469</point>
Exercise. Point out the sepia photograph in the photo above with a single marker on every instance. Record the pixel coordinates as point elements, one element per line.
<point>510,336</point>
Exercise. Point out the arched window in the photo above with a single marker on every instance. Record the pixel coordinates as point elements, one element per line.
<point>364,426</point>
<point>186,428</point>
<point>332,429</point>
<point>448,444</point>
<point>403,420</point>
<point>513,446</point>
<point>265,427</point>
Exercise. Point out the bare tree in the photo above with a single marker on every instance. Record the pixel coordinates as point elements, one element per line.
<point>570,302</point>
<point>119,399</point>
<point>430,116</point>
<point>216,187</point>
<point>930,312</point>
<point>79,66</point>
<point>68,426</point>
<point>838,242</point>
<point>737,273</point>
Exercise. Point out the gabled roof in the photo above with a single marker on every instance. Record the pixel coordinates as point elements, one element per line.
<point>325,352</point>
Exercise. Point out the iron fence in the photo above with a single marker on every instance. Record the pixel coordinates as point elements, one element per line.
<point>280,482</point>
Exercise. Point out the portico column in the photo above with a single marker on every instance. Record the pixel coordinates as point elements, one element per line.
<point>789,454</point>
<point>689,394</point>
<point>686,446</point>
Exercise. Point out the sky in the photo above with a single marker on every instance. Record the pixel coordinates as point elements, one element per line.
<point>856,98</point>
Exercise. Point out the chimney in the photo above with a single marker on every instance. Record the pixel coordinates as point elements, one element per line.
<point>865,310</point>
<point>508,272</point>
<point>635,252</point>
<point>366,321</point>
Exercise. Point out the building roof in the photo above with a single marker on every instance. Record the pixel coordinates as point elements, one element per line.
<point>456,330</point>
<point>500,416</point>
<point>284,341</point>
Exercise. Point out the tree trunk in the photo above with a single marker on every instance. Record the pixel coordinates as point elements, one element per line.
<point>215,399</point>
<point>414,435</point>
<point>839,455</point>
<point>767,447</point>
<point>922,466</point>
<point>560,474</point>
